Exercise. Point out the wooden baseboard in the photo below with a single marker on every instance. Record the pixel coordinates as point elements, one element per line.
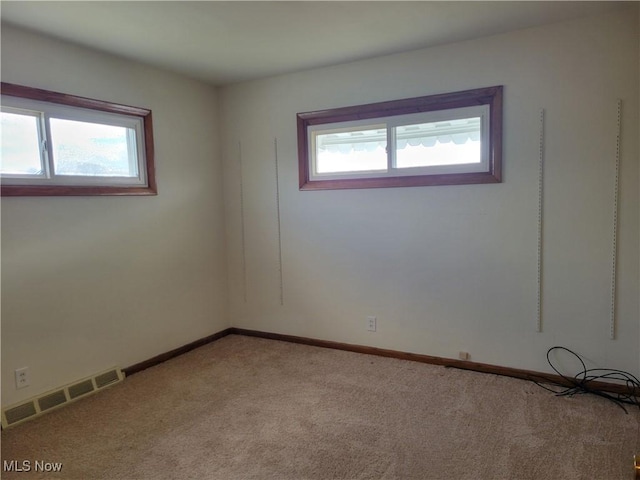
<point>446,362</point>
<point>163,357</point>
<point>414,357</point>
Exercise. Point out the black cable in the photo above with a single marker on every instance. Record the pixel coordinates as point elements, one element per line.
<point>581,382</point>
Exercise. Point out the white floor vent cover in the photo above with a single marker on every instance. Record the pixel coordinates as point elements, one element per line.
<point>61,396</point>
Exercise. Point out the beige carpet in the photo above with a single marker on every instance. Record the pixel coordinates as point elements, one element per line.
<point>248,408</point>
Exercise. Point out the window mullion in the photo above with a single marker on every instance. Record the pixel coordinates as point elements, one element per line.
<point>46,146</point>
<point>391,148</point>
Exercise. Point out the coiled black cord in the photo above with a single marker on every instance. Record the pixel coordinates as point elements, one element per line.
<point>582,382</point>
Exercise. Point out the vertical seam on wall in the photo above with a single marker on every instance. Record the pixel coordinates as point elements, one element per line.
<point>540,220</point>
<point>275,146</point>
<point>614,249</point>
<point>242,232</point>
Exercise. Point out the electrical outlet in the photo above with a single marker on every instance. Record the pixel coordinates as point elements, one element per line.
<point>372,323</point>
<point>464,356</point>
<point>22,377</point>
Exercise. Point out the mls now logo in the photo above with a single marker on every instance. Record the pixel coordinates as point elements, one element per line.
<point>27,466</point>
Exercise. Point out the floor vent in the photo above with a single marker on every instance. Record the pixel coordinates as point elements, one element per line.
<point>19,413</point>
<point>61,396</point>
<point>81,388</point>
<point>52,400</point>
<point>107,379</point>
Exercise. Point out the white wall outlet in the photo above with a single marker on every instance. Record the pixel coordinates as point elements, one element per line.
<point>372,323</point>
<point>22,377</point>
<point>464,356</point>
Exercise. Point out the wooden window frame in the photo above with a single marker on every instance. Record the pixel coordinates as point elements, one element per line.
<point>8,89</point>
<point>491,96</point>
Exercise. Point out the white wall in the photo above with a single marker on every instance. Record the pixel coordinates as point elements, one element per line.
<point>92,282</point>
<point>449,269</point>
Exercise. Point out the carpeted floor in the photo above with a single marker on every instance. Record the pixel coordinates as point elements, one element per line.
<point>249,408</point>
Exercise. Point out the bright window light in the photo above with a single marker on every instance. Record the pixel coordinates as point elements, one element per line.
<point>92,149</point>
<point>351,150</point>
<point>456,142</point>
<point>20,144</point>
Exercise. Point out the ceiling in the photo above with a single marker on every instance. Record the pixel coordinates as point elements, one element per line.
<point>226,42</point>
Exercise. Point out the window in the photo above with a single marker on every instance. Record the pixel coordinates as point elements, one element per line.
<point>446,139</point>
<point>58,144</point>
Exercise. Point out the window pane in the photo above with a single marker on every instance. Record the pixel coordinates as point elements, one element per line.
<point>351,151</point>
<point>452,142</point>
<point>20,145</point>
<point>92,149</point>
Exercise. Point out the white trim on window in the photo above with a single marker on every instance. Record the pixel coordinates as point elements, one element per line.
<point>385,135</point>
